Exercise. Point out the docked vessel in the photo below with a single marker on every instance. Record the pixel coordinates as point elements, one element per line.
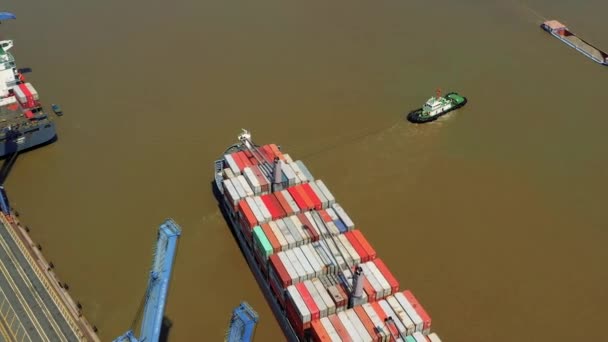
<point>437,106</point>
<point>561,32</point>
<point>320,275</point>
<point>23,123</point>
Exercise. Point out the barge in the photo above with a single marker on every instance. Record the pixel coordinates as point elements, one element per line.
<point>321,277</point>
<point>561,32</point>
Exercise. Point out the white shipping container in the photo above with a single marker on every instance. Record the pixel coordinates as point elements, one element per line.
<point>292,204</point>
<point>325,191</point>
<point>293,274</point>
<point>350,328</point>
<point>294,232</point>
<point>369,275</point>
<point>409,309</point>
<point>380,277</point>
<point>263,209</point>
<point>351,250</point>
<point>311,260</point>
<point>310,272</point>
<point>433,337</point>
<point>320,261</point>
<point>32,90</point>
<point>291,241</point>
<point>354,319</point>
<point>332,213</point>
<point>315,219</point>
<point>389,312</point>
<point>300,306</point>
<point>405,319</point>
<point>277,232</point>
<point>316,297</point>
<point>305,170</point>
<point>331,331</point>
<point>233,194</point>
<point>320,195</point>
<point>254,208</point>
<point>296,264</point>
<point>287,158</point>
<point>343,252</point>
<point>334,254</point>
<point>324,256</point>
<point>252,180</point>
<point>7,100</point>
<point>329,303</point>
<point>419,337</point>
<point>300,226</point>
<point>227,173</point>
<point>288,172</point>
<point>19,94</point>
<point>232,164</point>
<point>310,216</point>
<point>377,322</point>
<point>343,216</point>
<point>245,186</point>
<point>238,187</point>
<point>333,229</point>
<point>299,174</point>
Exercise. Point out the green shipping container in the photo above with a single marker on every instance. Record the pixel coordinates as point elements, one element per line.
<point>410,339</point>
<point>263,246</point>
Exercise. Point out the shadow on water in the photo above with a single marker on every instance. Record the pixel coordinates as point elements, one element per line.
<point>165,328</point>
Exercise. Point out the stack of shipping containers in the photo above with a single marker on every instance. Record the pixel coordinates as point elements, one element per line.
<point>307,247</point>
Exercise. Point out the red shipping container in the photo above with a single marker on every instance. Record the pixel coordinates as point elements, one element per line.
<point>357,246</point>
<point>369,290</point>
<point>264,183</point>
<point>297,198</point>
<point>276,246</point>
<point>277,205</point>
<point>340,328</point>
<point>237,159</point>
<point>280,270</point>
<point>244,159</point>
<point>310,302</point>
<point>275,212</point>
<point>364,243</point>
<point>426,319</point>
<point>268,154</point>
<point>309,203</point>
<point>294,318</point>
<point>319,334</point>
<point>312,196</point>
<point>325,216</point>
<point>248,216</point>
<point>283,202</point>
<point>28,114</point>
<point>367,323</point>
<point>392,281</point>
<point>311,229</point>
<point>382,315</point>
<point>277,152</point>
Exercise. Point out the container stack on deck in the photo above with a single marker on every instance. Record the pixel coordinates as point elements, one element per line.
<point>308,248</point>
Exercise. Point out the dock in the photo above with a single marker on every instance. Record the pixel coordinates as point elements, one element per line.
<point>34,304</point>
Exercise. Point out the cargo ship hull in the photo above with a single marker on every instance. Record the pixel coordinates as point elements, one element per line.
<point>562,33</point>
<point>263,283</point>
<point>28,140</point>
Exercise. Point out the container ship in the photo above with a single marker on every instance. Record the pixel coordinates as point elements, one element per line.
<point>23,123</point>
<point>561,32</point>
<point>320,275</point>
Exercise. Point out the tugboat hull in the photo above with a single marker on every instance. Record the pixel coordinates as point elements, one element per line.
<point>416,116</point>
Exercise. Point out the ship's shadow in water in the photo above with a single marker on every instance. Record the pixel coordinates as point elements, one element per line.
<point>165,328</point>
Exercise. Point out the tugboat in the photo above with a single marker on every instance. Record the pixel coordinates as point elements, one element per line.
<point>436,107</point>
<point>57,110</point>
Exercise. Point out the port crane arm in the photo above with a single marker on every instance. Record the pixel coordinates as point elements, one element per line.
<point>242,324</point>
<point>158,284</point>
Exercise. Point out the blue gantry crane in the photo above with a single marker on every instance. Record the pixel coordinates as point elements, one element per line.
<point>242,324</point>
<point>158,284</point>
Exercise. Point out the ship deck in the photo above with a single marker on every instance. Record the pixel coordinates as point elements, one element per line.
<point>13,115</point>
<point>33,307</point>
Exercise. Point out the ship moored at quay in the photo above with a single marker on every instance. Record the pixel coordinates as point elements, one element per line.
<point>23,122</point>
<point>320,275</point>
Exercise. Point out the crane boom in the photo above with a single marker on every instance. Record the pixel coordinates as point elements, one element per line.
<point>158,284</point>
<point>242,324</point>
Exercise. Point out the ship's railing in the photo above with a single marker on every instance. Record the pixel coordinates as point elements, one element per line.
<point>44,280</point>
<point>13,323</point>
